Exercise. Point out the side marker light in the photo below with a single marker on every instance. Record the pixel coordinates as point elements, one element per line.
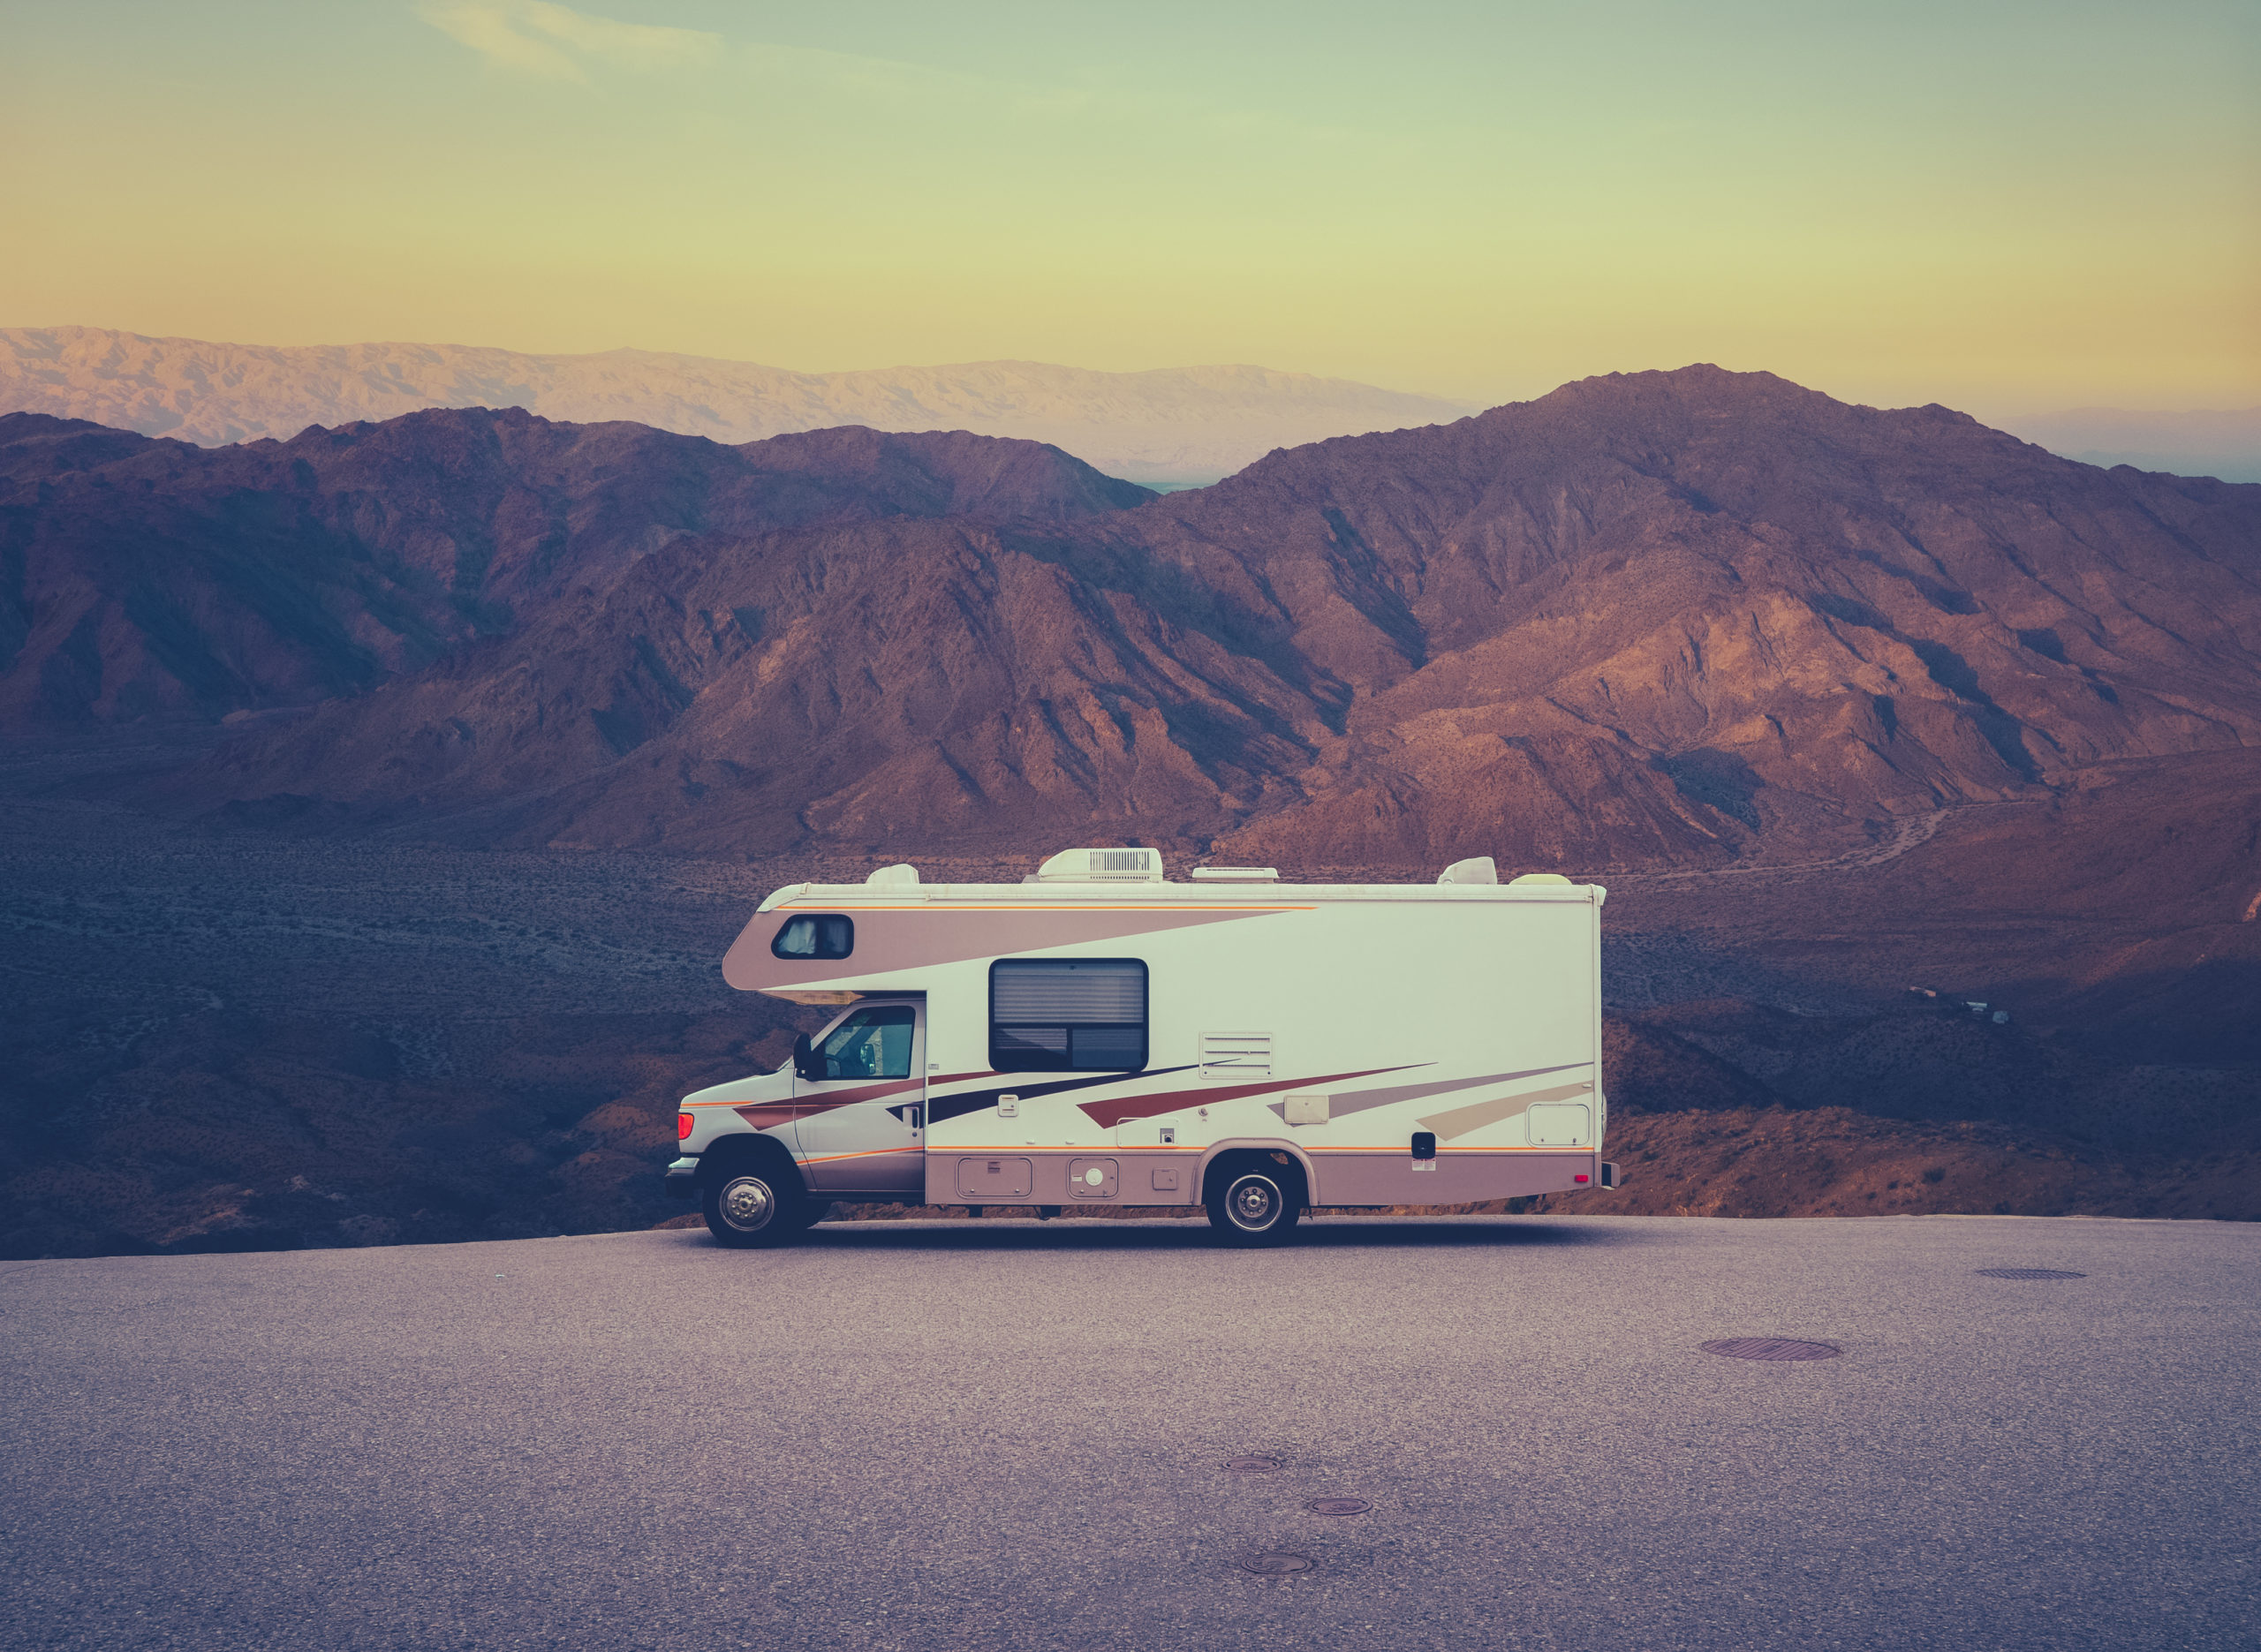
<point>1577,1179</point>
<point>682,1129</point>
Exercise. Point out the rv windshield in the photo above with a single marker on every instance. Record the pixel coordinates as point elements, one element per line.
<point>873,1043</point>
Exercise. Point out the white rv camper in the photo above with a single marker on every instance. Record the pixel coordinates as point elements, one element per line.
<point>1098,1035</point>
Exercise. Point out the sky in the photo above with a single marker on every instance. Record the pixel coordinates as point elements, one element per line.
<point>2004,207</point>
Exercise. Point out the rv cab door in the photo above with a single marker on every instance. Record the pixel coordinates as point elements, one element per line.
<point>858,1128</point>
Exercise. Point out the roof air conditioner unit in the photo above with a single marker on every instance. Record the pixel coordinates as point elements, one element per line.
<point>1103,866</point>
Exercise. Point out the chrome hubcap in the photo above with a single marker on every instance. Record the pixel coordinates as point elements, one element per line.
<point>1253,1202</point>
<point>748,1205</point>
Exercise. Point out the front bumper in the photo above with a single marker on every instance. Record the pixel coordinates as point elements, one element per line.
<point>682,1178</point>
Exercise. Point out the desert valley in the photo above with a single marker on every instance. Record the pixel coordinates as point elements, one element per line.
<point>381,799</point>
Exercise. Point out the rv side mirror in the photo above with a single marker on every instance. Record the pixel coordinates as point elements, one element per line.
<point>1424,1143</point>
<point>805,1059</point>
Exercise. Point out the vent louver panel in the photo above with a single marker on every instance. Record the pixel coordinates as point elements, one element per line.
<point>1235,1055</point>
<point>1103,866</point>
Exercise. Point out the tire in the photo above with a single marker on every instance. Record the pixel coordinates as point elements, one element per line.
<point>755,1206</point>
<point>1253,1205</point>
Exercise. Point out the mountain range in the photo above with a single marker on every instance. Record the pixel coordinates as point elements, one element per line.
<point>1652,619</point>
<point>1176,426</point>
<point>1167,428</point>
<point>1838,701</point>
<point>156,580</point>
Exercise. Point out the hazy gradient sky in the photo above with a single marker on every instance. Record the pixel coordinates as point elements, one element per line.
<point>2003,206</point>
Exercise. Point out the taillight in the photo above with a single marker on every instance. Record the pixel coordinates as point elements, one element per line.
<point>683,1127</point>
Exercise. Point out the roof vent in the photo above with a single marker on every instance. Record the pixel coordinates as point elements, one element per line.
<point>1539,877</point>
<point>1477,871</point>
<point>889,877</point>
<point>1235,874</point>
<point>1103,866</point>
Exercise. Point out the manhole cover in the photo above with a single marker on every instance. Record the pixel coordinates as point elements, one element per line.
<point>1253,1466</point>
<point>1275,1563</point>
<point>1772,1348</point>
<point>2031,1274</point>
<point>1338,1506</point>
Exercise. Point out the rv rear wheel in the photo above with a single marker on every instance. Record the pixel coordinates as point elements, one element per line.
<point>1254,1207</point>
<point>749,1209</point>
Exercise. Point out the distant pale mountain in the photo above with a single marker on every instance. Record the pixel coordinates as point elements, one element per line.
<point>1173,424</point>
<point>2226,443</point>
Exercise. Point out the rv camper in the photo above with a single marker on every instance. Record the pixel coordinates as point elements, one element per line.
<point>1098,1035</point>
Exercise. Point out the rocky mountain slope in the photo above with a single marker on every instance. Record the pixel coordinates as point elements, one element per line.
<point>1736,602</point>
<point>152,580</point>
<point>1655,619</point>
<point>1176,425</point>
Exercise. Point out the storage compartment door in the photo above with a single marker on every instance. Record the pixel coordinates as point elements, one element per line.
<point>999,1179</point>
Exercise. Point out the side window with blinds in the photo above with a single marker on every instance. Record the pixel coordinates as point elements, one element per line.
<point>1066,1015</point>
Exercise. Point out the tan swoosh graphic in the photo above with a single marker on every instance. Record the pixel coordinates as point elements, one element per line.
<point>1343,1103</point>
<point>1460,1120</point>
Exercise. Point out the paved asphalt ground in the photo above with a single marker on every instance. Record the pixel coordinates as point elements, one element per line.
<point>953,1435</point>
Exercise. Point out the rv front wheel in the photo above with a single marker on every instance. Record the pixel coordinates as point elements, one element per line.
<point>749,1209</point>
<point>1253,1208</point>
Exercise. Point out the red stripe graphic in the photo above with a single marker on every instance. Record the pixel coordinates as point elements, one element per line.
<point>1115,1110</point>
<point>763,1114</point>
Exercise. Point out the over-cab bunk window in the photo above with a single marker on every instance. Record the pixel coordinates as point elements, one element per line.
<point>1062,1015</point>
<point>830,935</point>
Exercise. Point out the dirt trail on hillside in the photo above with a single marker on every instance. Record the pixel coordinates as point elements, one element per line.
<point>1902,835</point>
